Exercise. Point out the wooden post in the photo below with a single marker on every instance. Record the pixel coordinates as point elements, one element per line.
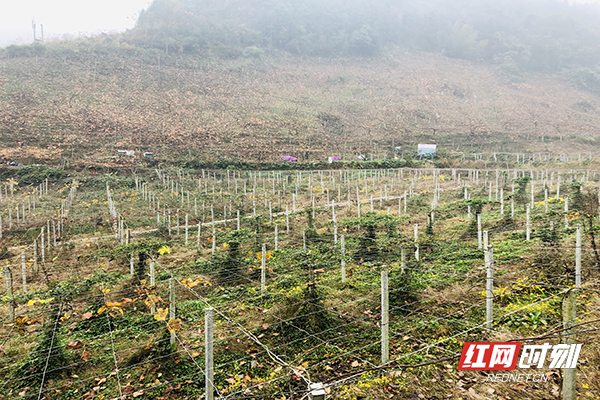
<point>276,237</point>
<point>343,256</point>
<point>172,306</point>
<point>335,232</point>
<point>35,256</point>
<point>263,269</point>
<point>403,259</point>
<point>416,233</point>
<point>569,311</point>
<point>528,223</point>
<point>304,239</point>
<point>169,222</point>
<point>512,207</point>
<point>208,354</point>
<point>131,265</point>
<point>333,210</point>
<point>9,294</point>
<point>24,271</point>
<point>42,248</point>
<point>357,202</point>
<point>489,300</point>
<point>578,256</point>
<point>186,229</point>
<point>385,344</point>
<point>479,233</point>
<point>121,229</point>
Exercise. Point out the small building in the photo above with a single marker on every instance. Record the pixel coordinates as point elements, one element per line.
<point>148,154</point>
<point>128,153</point>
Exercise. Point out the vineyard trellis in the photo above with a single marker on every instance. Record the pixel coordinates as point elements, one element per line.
<point>315,307</point>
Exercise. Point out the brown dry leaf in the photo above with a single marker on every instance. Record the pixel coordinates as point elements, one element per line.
<point>74,345</point>
<point>355,364</point>
<point>85,355</point>
<point>128,389</point>
<point>174,325</point>
<point>87,315</point>
<point>138,393</point>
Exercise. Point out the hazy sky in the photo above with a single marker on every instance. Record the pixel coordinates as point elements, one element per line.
<point>60,17</point>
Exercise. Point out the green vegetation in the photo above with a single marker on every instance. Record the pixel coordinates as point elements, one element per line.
<point>84,311</point>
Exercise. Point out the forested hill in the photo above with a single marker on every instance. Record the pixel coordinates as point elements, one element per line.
<point>516,35</point>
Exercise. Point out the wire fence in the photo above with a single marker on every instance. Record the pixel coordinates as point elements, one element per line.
<point>291,264</point>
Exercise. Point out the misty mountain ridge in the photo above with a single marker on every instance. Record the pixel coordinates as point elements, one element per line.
<point>536,35</point>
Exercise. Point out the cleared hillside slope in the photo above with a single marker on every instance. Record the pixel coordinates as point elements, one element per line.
<point>85,104</point>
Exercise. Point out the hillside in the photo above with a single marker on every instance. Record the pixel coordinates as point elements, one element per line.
<point>87,98</point>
